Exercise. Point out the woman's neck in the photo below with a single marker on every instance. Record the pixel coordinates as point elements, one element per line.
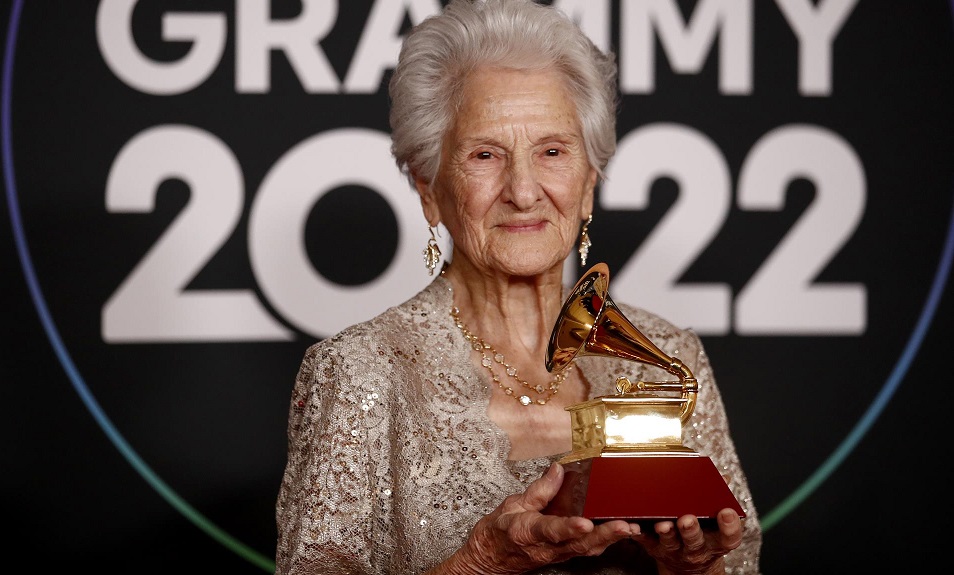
<point>516,313</point>
<point>514,316</point>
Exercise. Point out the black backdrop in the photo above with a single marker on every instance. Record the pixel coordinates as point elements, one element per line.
<point>147,435</point>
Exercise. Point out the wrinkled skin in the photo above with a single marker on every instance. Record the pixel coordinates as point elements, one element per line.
<point>514,182</point>
<point>684,547</point>
<point>516,537</point>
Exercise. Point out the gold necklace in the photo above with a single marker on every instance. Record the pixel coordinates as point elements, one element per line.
<point>483,347</point>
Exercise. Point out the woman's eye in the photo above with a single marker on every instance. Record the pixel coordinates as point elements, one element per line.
<point>552,152</point>
<point>484,155</point>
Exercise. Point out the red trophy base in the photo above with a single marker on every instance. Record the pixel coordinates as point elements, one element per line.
<point>643,489</point>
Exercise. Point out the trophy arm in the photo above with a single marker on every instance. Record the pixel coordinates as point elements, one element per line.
<point>690,388</point>
<point>687,385</point>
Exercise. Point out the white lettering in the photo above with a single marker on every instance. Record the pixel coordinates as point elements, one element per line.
<point>257,35</point>
<point>276,234</point>
<point>816,28</point>
<point>781,297</point>
<point>119,50</point>
<point>380,42</point>
<point>651,276</point>
<point>592,16</point>
<point>686,46</point>
<point>152,303</point>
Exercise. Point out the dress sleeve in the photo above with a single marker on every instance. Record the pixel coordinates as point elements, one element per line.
<point>708,433</point>
<point>324,509</point>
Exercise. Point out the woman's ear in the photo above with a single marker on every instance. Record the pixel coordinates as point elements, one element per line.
<point>586,205</point>
<point>425,190</point>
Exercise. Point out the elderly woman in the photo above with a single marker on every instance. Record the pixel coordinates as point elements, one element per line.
<point>424,440</point>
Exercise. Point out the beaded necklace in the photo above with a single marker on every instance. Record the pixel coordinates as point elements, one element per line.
<point>487,352</point>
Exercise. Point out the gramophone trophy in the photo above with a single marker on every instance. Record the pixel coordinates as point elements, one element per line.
<point>627,459</point>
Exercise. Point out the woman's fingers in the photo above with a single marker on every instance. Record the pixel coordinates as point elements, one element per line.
<point>539,494</point>
<point>669,541</point>
<point>696,549</point>
<point>555,531</point>
<point>517,537</point>
<point>730,529</point>
<point>684,545</point>
<point>693,538</point>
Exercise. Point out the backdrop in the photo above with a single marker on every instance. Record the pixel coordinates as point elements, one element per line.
<point>197,190</point>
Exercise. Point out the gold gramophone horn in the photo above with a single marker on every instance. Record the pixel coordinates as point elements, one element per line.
<point>591,324</point>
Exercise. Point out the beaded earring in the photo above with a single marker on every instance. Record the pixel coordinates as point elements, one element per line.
<point>585,242</point>
<point>432,253</point>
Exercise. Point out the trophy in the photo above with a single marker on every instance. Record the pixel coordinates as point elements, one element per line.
<point>627,460</point>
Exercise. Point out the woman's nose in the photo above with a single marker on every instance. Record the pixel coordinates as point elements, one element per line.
<point>523,188</point>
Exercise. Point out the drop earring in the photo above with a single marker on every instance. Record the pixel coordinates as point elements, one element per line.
<point>432,253</point>
<point>585,242</point>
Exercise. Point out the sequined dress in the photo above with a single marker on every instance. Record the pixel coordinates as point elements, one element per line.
<point>392,458</point>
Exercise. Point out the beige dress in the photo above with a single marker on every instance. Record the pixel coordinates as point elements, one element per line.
<point>392,458</point>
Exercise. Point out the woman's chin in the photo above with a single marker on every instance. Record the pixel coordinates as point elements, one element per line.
<point>529,263</point>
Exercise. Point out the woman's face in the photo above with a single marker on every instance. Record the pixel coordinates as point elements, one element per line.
<point>514,183</point>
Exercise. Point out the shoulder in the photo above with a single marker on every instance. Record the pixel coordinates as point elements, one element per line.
<point>374,359</point>
<point>371,345</point>
<point>415,317</point>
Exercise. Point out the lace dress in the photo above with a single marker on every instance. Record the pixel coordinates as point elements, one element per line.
<point>392,458</point>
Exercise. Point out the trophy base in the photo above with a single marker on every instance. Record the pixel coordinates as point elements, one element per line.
<point>643,489</point>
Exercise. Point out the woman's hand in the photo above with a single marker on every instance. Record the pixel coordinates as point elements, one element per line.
<point>684,547</point>
<point>516,537</point>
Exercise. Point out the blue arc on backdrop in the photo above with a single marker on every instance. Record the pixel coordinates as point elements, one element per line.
<point>768,520</point>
